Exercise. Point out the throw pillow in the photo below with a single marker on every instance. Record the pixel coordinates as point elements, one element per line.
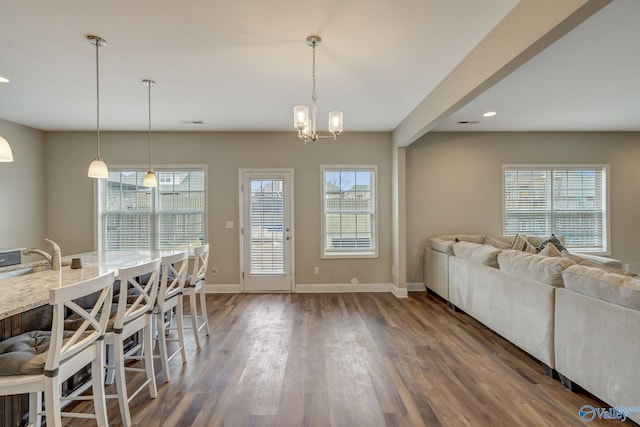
<point>552,239</point>
<point>520,243</point>
<point>550,250</point>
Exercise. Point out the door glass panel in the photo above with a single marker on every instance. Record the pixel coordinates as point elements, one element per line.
<point>266,219</point>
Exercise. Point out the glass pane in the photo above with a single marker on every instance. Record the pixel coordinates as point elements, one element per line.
<point>267,221</point>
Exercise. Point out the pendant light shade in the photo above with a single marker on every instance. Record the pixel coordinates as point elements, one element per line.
<point>5,151</point>
<point>97,168</point>
<point>150,178</point>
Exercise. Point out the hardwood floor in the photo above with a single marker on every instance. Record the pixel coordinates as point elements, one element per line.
<point>352,360</point>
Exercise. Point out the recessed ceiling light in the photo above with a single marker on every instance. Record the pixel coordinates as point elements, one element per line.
<point>4,80</point>
<point>489,114</point>
<point>468,122</point>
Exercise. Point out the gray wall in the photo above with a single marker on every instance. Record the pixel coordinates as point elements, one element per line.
<point>22,196</point>
<point>454,183</point>
<point>70,205</point>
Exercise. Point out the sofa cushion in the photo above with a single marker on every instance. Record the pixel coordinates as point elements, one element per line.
<point>615,288</point>
<point>482,254</point>
<point>445,243</point>
<point>500,243</point>
<point>520,243</point>
<point>552,239</point>
<point>533,266</point>
<point>602,265</point>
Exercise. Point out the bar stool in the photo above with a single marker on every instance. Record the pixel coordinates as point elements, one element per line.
<point>39,362</point>
<point>133,317</point>
<point>194,285</point>
<point>169,305</point>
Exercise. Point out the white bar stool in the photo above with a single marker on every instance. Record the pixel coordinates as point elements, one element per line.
<point>168,305</point>
<point>193,287</point>
<point>41,361</point>
<point>134,316</point>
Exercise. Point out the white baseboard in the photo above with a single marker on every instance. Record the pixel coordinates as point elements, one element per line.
<point>398,292</point>
<point>416,287</point>
<point>317,288</point>
<point>222,289</point>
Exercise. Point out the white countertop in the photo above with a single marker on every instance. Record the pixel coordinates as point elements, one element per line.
<point>22,293</point>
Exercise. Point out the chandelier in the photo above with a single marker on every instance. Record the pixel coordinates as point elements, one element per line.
<point>306,125</point>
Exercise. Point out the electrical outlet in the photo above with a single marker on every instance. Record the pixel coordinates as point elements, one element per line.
<point>316,270</point>
<point>214,270</point>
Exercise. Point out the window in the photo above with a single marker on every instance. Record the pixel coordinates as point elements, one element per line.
<point>170,216</point>
<point>570,201</point>
<point>349,220</point>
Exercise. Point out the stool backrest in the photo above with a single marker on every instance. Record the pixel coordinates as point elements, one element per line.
<point>136,298</point>
<point>200,263</point>
<point>94,318</point>
<point>173,276</point>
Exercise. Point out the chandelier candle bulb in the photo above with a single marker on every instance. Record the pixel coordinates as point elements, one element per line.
<point>335,122</point>
<point>301,116</point>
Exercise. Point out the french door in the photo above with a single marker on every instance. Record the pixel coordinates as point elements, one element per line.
<point>266,234</point>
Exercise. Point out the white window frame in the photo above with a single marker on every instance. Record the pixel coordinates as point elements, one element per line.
<point>352,253</point>
<point>98,208</point>
<point>606,228</point>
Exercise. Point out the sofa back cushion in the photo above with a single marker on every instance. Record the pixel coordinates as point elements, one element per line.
<point>533,266</point>
<point>482,254</point>
<point>615,288</point>
<point>445,243</point>
<point>499,242</point>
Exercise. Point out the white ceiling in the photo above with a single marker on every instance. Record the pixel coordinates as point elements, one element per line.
<point>241,65</point>
<point>589,80</point>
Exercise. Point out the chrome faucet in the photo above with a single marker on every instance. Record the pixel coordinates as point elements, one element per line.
<point>55,258</point>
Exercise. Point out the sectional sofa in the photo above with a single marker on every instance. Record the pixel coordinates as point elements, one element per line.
<point>579,315</point>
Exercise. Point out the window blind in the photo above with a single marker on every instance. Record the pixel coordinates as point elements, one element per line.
<point>170,216</point>
<point>567,201</point>
<point>267,220</point>
<point>349,223</point>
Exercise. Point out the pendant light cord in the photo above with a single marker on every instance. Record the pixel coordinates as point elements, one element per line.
<point>150,126</point>
<point>313,94</point>
<point>98,96</point>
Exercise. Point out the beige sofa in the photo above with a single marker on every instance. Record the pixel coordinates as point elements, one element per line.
<point>583,331</point>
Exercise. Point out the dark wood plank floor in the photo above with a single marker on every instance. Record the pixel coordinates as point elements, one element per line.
<point>353,360</point>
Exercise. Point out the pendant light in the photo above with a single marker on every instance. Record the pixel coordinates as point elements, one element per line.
<point>5,151</point>
<point>97,168</point>
<point>150,179</point>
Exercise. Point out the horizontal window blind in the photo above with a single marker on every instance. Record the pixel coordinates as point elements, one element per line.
<point>170,216</point>
<point>267,221</point>
<point>349,222</point>
<point>567,201</point>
